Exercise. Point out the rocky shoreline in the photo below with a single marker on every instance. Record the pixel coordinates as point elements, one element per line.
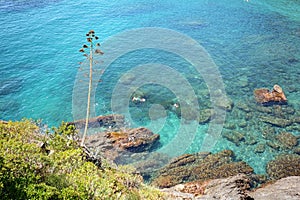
<point>201,175</point>
<point>236,188</point>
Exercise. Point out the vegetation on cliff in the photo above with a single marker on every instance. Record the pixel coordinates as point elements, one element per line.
<point>35,165</point>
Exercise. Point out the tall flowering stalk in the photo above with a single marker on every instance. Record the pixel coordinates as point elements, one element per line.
<point>90,37</point>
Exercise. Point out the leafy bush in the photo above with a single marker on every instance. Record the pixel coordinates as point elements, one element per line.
<point>53,166</point>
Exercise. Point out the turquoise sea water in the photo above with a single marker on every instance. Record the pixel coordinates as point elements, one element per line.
<point>254,44</point>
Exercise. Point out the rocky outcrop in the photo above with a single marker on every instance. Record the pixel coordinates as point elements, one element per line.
<point>284,166</point>
<point>117,146</point>
<point>235,188</point>
<point>263,95</point>
<point>285,188</point>
<point>134,140</point>
<point>200,167</point>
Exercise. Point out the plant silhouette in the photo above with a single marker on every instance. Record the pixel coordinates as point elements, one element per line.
<point>91,38</point>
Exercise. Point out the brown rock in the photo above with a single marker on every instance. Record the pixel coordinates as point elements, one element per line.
<point>234,136</point>
<point>135,140</point>
<point>273,145</point>
<point>264,95</point>
<point>212,166</point>
<point>122,144</point>
<point>196,188</point>
<point>233,188</point>
<point>260,148</point>
<point>268,132</point>
<point>260,95</point>
<point>182,160</point>
<point>286,140</point>
<point>284,166</point>
<point>280,122</point>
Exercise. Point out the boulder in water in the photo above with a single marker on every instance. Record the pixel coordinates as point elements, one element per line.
<point>264,95</point>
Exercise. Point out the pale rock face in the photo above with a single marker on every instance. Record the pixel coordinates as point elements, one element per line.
<point>286,188</point>
<point>236,188</point>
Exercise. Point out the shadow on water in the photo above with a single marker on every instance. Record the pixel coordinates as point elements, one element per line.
<point>10,86</point>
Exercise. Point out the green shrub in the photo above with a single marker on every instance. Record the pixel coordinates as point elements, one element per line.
<point>53,166</point>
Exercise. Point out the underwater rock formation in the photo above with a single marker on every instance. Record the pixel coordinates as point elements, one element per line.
<point>264,95</point>
<point>106,121</point>
<point>224,103</point>
<point>200,167</point>
<point>286,140</point>
<point>280,122</point>
<point>206,115</point>
<point>260,148</point>
<point>234,136</point>
<point>284,166</point>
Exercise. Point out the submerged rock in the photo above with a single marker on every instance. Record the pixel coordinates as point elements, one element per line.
<point>260,148</point>
<point>284,166</point>
<point>273,145</point>
<point>264,95</point>
<point>106,121</point>
<point>286,140</point>
<point>268,132</point>
<point>243,123</point>
<point>263,109</point>
<point>200,168</point>
<point>243,106</point>
<point>206,115</point>
<point>251,140</point>
<point>224,103</point>
<point>276,121</point>
<point>234,136</point>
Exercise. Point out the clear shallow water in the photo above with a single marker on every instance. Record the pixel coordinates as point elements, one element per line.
<point>254,44</point>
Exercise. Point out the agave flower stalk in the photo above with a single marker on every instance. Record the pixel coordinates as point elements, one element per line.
<point>90,37</point>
